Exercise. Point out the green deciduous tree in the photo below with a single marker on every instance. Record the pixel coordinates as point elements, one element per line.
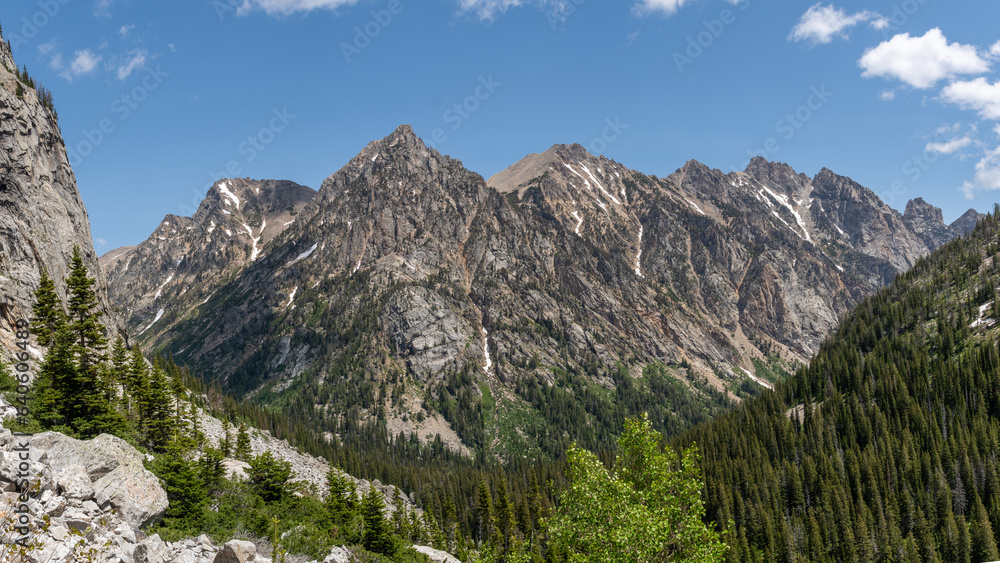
<point>647,508</point>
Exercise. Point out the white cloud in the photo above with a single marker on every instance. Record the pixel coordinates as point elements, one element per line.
<point>488,9</point>
<point>288,7</point>
<point>978,95</point>
<point>103,7</point>
<point>987,174</point>
<point>921,62</point>
<point>995,49</point>
<point>949,147</point>
<point>880,23</point>
<point>84,62</point>
<point>821,24</point>
<point>135,60</point>
<point>887,95</point>
<point>663,7</point>
<point>997,130</point>
<point>126,28</point>
<point>50,51</point>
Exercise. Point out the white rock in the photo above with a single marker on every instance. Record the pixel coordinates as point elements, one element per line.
<point>436,555</point>
<point>237,551</point>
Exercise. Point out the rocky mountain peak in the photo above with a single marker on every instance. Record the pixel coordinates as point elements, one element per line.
<point>927,222</point>
<point>919,210</point>
<point>966,222</point>
<point>778,174</point>
<point>185,256</point>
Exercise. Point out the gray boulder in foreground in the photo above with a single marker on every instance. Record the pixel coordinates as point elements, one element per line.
<point>111,467</point>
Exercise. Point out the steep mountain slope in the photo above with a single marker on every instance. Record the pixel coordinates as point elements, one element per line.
<point>41,214</point>
<point>884,447</point>
<point>410,291</point>
<point>185,260</point>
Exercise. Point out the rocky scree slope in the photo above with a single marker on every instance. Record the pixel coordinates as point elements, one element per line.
<point>99,493</point>
<point>41,214</point>
<point>407,269</point>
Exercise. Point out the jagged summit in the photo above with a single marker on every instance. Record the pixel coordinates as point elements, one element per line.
<point>184,256</point>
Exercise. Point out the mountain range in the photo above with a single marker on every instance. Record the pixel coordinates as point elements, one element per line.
<point>411,290</point>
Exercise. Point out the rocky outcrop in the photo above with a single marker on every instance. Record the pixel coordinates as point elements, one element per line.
<point>97,491</point>
<point>42,216</point>
<point>95,497</point>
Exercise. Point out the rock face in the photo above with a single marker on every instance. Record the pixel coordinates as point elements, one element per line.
<point>406,268</point>
<point>41,214</point>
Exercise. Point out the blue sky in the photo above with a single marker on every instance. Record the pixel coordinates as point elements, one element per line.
<point>157,99</point>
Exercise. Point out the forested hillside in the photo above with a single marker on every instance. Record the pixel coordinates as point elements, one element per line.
<point>885,447</point>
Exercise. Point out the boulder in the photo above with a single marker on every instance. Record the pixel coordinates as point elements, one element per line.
<point>338,555</point>
<point>436,555</point>
<point>237,551</point>
<point>151,550</point>
<point>106,469</point>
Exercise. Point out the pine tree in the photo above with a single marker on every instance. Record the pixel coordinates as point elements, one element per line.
<point>185,489</point>
<point>269,476</point>
<point>226,442</point>
<point>984,545</point>
<point>158,414</point>
<point>47,312</point>
<point>504,518</point>
<point>137,389</point>
<point>377,536</point>
<point>52,382</point>
<point>118,373</point>
<point>342,505</point>
<point>212,471</point>
<point>486,524</point>
<point>86,395</point>
<point>243,450</point>
<point>84,316</point>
